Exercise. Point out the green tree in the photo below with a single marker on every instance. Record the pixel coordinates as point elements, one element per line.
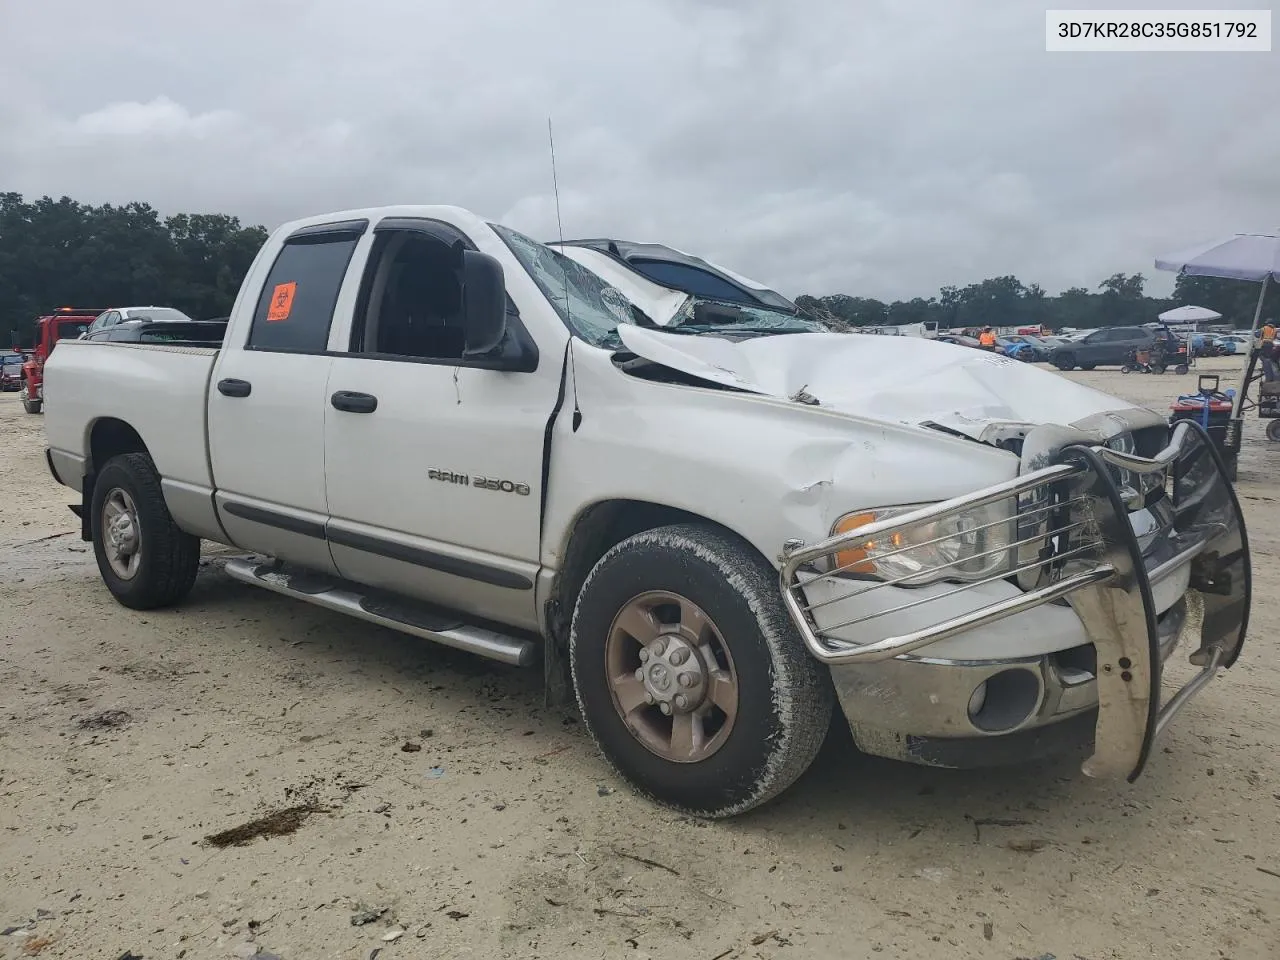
<point>1236,300</point>
<point>63,253</point>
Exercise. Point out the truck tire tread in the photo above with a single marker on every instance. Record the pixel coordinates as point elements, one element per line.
<point>801,697</point>
<point>171,557</point>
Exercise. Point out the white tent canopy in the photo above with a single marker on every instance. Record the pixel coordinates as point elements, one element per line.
<point>1244,256</point>
<point>1190,315</point>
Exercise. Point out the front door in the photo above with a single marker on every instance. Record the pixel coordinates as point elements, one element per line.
<point>268,402</point>
<point>434,466</point>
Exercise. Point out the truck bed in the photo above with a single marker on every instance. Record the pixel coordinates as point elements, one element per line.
<point>160,390</point>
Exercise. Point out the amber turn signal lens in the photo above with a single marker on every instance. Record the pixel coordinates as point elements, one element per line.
<point>858,560</point>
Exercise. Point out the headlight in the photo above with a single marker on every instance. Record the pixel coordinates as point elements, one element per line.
<point>971,545</point>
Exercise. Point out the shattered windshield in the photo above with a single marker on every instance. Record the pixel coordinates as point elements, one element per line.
<point>724,317</point>
<point>589,307</point>
<point>593,309</point>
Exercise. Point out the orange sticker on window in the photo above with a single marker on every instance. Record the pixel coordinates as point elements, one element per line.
<point>281,301</point>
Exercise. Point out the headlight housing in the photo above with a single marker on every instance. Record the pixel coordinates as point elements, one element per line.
<point>974,544</point>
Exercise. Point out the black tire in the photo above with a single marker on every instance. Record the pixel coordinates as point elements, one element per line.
<point>1181,369</point>
<point>785,697</point>
<point>1088,366</point>
<point>1273,429</point>
<point>1128,368</point>
<point>168,558</point>
<point>1065,361</point>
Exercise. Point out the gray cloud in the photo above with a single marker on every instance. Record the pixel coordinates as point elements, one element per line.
<point>875,148</point>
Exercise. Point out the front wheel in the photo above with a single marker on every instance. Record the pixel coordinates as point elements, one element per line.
<point>689,674</point>
<point>1128,368</point>
<point>1087,366</point>
<point>145,560</point>
<point>1065,361</point>
<point>1180,369</point>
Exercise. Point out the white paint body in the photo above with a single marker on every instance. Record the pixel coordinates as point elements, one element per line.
<point>767,467</point>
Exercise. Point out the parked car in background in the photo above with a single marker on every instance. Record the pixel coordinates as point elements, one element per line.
<point>116,315</point>
<point>959,340</point>
<point>1107,347</point>
<point>11,371</point>
<point>1026,348</point>
<point>1234,342</point>
<point>1224,347</point>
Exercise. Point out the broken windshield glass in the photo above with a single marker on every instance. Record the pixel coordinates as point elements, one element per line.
<point>590,307</point>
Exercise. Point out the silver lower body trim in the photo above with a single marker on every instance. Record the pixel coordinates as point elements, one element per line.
<point>473,639</point>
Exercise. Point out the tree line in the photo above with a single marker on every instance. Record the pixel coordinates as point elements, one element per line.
<point>1119,300</point>
<point>64,253</point>
<point>56,253</point>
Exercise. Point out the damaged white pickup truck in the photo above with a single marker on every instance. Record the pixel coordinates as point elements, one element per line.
<point>651,474</point>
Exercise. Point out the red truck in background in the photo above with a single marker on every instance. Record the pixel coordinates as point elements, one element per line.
<point>65,323</point>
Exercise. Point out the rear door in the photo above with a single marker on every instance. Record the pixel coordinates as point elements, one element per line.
<point>1106,346</point>
<point>1126,341</point>
<point>268,401</point>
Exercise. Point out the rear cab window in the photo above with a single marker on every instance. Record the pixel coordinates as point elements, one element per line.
<point>295,307</point>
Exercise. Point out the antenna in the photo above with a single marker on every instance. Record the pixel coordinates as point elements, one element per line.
<point>568,348</point>
<point>555,184</point>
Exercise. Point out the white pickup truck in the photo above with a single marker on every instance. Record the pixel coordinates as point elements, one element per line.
<point>714,518</point>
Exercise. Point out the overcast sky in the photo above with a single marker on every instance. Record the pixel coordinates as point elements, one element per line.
<point>862,146</point>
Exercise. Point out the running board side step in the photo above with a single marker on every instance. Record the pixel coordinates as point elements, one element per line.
<point>394,613</point>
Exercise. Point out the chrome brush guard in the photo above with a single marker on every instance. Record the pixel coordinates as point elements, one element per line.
<point>1068,538</point>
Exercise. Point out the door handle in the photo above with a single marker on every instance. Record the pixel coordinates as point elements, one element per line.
<point>235,388</point>
<point>353,402</point>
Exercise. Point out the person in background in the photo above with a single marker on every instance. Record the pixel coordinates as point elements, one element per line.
<point>1267,352</point>
<point>1268,331</point>
<point>987,339</point>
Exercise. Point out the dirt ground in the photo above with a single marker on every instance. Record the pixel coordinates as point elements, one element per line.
<point>440,799</point>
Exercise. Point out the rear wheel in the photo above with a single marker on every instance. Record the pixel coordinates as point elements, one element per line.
<point>1087,366</point>
<point>145,560</point>
<point>690,676</point>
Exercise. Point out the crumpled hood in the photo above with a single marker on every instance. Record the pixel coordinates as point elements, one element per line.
<point>906,380</point>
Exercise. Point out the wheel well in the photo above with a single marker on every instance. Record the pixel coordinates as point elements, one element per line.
<point>597,529</point>
<point>110,438</point>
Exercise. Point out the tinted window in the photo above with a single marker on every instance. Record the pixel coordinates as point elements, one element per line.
<point>700,283</point>
<point>296,305</point>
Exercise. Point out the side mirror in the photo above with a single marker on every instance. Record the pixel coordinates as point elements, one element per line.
<point>484,303</point>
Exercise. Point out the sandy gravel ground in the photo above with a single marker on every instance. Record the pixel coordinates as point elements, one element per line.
<point>504,835</point>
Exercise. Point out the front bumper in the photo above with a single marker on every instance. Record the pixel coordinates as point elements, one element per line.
<point>1138,592</point>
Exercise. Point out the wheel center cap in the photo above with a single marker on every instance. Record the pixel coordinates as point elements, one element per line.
<point>660,677</point>
<point>673,674</point>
